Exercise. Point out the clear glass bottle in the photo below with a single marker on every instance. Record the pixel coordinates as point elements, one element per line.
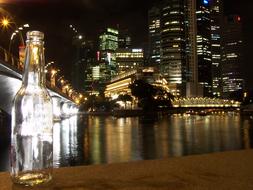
<point>32,120</point>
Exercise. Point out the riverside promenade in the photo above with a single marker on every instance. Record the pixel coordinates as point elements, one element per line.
<point>225,170</point>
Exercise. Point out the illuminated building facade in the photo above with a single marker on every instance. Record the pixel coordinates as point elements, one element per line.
<point>173,43</point>
<point>204,46</point>
<point>216,15</point>
<point>232,55</point>
<point>120,84</point>
<point>172,34</point>
<point>128,59</point>
<point>154,19</point>
<point>108,43</point>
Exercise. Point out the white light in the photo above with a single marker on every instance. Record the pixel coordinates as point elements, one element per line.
<point>136,50</point>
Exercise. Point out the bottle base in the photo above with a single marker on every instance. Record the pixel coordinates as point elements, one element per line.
<point>32,178</point>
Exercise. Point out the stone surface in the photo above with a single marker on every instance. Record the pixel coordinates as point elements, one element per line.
<point>227,170</point>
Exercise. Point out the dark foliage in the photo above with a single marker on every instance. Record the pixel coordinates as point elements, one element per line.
<point>151,98</point>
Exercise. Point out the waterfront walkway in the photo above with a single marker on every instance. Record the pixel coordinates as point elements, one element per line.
<point>227,170</point>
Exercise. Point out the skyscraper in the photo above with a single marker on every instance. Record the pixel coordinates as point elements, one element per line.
<point>173,43</point>
<point>108,43</point>
<point>216,15</point>
<point>204,45</point>
<point>185,44</point>
<point>125,40</point>
<point>154,19</point>
<point>84,58</point>
<point>232,58</point>
<point>193,88</point>
<point>77,69</point>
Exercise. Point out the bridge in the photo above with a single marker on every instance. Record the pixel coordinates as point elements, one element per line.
<point>205,102</point>
<point>64,102</point>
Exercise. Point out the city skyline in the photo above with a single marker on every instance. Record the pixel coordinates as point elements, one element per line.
<point>102,14</point>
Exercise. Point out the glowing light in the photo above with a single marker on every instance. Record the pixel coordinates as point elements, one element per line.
<point>206,2</point>
<point>5,22</point>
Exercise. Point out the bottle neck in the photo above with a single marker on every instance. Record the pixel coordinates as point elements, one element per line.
<point>34,73</point>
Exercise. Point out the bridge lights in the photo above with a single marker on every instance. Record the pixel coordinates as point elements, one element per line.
<point>52,78</point>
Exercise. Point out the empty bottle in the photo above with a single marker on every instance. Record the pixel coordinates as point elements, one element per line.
<point>32,120</point>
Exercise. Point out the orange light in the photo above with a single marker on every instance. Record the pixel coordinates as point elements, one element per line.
<point>5,22</point>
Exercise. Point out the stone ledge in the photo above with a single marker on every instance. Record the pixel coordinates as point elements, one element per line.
<point>226,170</point>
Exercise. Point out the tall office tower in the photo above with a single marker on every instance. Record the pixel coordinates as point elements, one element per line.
<point>173,44</point>
<point>84,58</point>
<point>78,66</point>
<point>154,49</point>
<point>125,40</point>
<point>89,60</point>
<point>108,43</point>
<point>193,89</point>
<point>216,15</point>
<point>232,55</point>
<point>204,46</point>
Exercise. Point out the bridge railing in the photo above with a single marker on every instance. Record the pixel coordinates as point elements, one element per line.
<point>15,64</point>
<point>10,59</point>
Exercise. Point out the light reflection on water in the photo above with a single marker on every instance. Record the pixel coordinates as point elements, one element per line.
<point>94,140</point>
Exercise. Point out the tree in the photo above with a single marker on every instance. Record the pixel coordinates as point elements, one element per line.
<point>142,89</point>
<point>151,98</point>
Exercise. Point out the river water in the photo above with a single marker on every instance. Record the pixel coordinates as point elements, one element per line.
<point>84,140</point>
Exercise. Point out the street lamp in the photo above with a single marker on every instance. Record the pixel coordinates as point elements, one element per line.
<point>8,21</point>
<point>5,22</point>
<point>18,30</point>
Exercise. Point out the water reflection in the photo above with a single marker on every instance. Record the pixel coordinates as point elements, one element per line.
<point>94,140</point>
<point>66,143</point>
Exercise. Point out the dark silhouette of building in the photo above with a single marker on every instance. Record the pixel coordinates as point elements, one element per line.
<point>232,58</point>
<point>216,15</point>
<point>83,60</point>
<point>204,46</point>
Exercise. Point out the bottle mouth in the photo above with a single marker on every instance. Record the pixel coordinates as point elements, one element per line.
<point>35,35</point>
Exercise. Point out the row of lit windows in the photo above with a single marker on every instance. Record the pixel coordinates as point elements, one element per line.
<point>216,56</point>
<point>172,22</point>
<point>111,30</point>
<point>129,55</point>
<point>171,40</point>
<point>215,45</point>
<point>173,29</point>
<point>105,37</point>
<point>231,55</point>
<point>215,27</point>
<point>231,44</point>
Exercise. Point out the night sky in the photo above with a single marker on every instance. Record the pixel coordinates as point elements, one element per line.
<point>90,16</point>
